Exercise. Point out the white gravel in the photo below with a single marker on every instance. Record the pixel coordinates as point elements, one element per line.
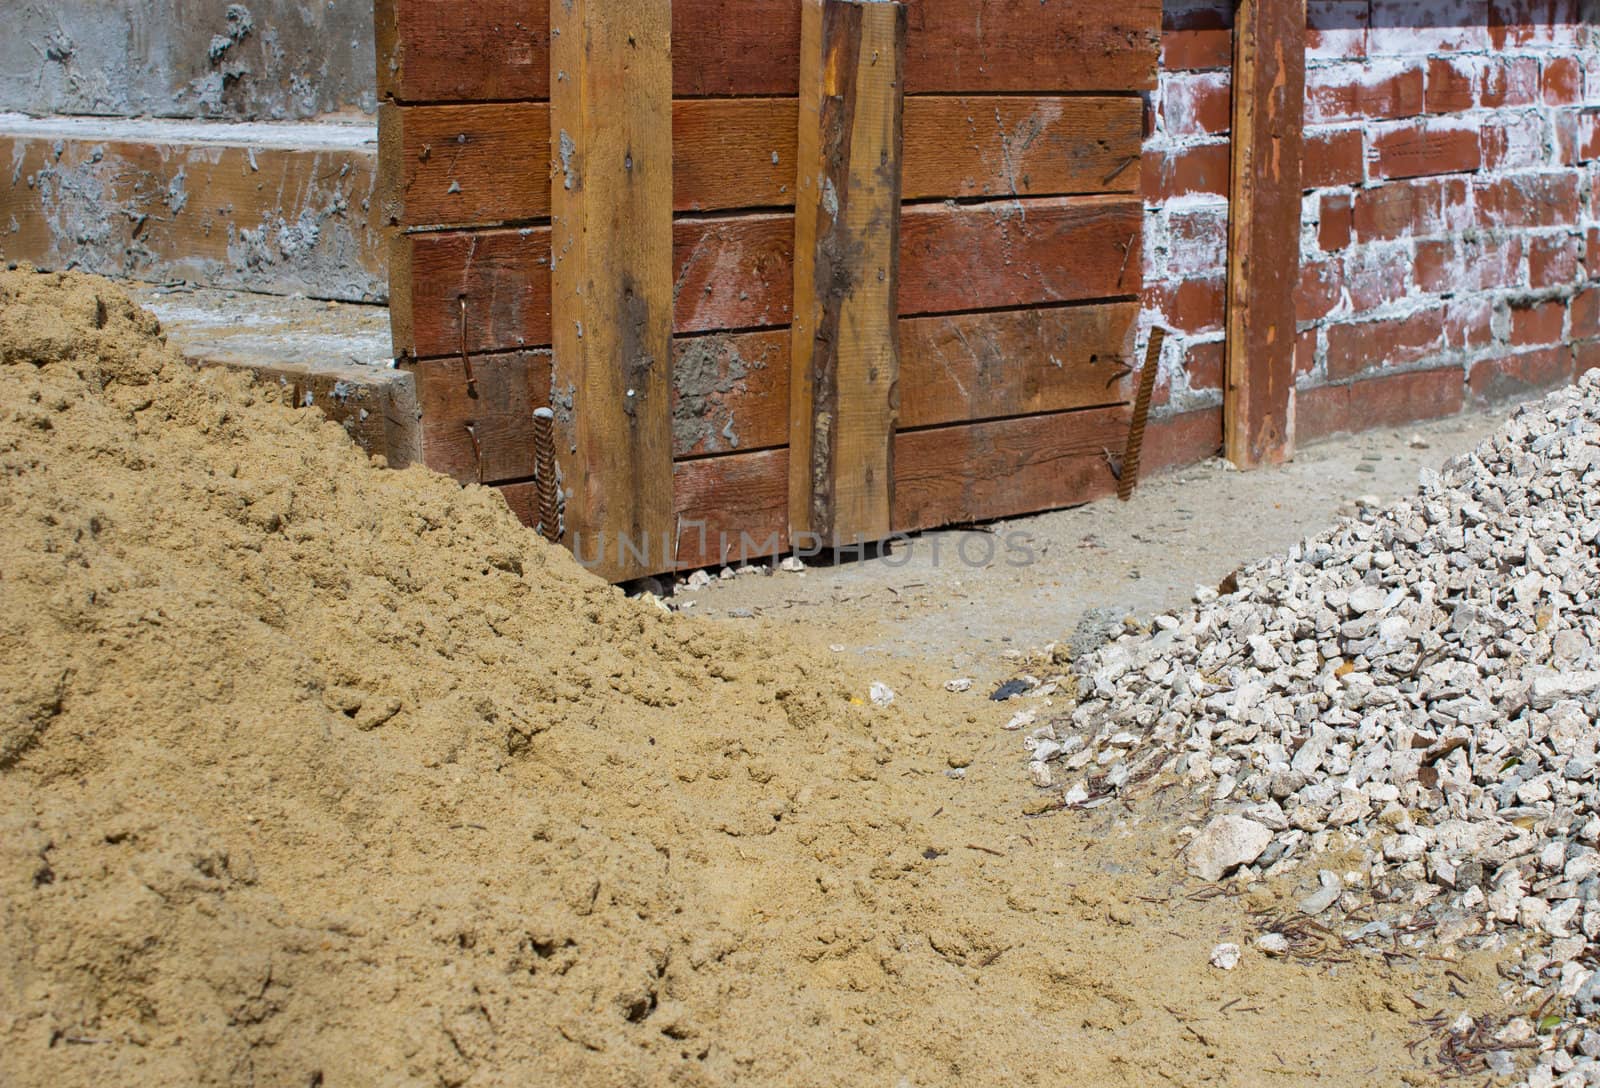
<point>1422,681</point>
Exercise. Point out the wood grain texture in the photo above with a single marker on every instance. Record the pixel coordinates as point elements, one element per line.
<point>469,165</point>
<point>611,268</point>
<point>1019,253</point>
<point>725,510</point>
<point>272,219</point>
<point>981,471</point>
<point>736,272</point>
<point>1264,230</point>
<point>968,367</point>
<point>845,364</point>
<point>448,51</point>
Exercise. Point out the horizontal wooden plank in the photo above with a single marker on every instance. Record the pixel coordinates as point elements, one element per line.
<point>278,219</point>
<point>1017,362</point>
<point>448,51</point>
<point>476,165</point>
<point>731,390</point>
<point>736,272</point>
<point>729,509</point>
<point>981,471</point>
<point>730,393</point>
<point>1019,253</point>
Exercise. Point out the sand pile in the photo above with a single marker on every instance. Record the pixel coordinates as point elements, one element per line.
<point>317,773</point>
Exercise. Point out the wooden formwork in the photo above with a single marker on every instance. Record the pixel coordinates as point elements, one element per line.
<point>965,359</point>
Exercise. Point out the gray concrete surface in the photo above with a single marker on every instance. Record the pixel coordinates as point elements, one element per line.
<point>255,60</point>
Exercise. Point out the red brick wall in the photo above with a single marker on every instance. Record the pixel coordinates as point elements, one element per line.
<point>1450,247</point>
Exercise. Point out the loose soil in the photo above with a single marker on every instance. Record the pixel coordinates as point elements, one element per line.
<point>313,772</point>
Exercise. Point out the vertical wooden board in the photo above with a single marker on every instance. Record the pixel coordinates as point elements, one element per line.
<point>1264,230</point>
<point>846,361</point>
<point>611,276</point>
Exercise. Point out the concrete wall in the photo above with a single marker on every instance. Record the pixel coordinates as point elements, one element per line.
<point>266,60</point>
<point>1451,225</point>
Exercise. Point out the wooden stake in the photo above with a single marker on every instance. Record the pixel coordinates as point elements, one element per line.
<point>1264,230</point>
<point>611,278</point>
<point>845,357</point>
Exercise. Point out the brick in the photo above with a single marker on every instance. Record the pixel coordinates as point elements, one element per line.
<point>1320,291</point>
<point>1578,135</point>
<point>1197,241</point>
<point>1553,261</point>
<point>1509,81</point>
<point>1197,104</point>
<point>1336,29</point>
<point>1196,36</point>
<point>1376,275</point>
<point>1452,85</point>
<point>1426,149</point>
<point>1203,169</point>
<point>1434,26</point>
<point>1561,81</point>
<point>1333,157</point>
<point>1586,314</point>
<point>1192,306</point>
<point>1528,200</point>
<point>1586,357</point>
<point>1386,401</point>
<point>1591,255</point>
<point>1454,265</point>
<point>1538,323</point>
<point>1469,323</point>
<point>1182,439</point>
<point>1204,365</point>
<point>1514,141</point>
<point>1530,23</point>
<point>1336,222</point>
<point>1305,352</point>
<point>1405,208</point>
<point>1386,343</point>
<point>1518,375</point>
<point>1359,92</point>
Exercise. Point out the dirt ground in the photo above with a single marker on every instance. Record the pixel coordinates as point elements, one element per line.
<point>313,772</point>
<point>966,597</point>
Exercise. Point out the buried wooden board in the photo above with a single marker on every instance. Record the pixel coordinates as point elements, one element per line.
<point>736,272</point>
<point>469,165</point>
<point>725,510</point>
<point>980,471</point>
<point>731,390</point>
<point>448,51</point>
<point>281,220</point>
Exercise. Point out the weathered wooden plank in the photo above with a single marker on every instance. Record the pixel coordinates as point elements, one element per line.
<point>736,272</point>
<point>277,219</point>
<point>448,51</point>
<point>845,363</point>
<point>730,391</point>
<point>1014,362</point>
<point>611,287</point>
<point>1264,230</point>
<point>980,471</point>
<point>469,165</point>
<point>731,509</point>
<point>1019,253</point>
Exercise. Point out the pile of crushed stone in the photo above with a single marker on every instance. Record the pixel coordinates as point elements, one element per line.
<point>313,772</point>
<point>1423,681</point>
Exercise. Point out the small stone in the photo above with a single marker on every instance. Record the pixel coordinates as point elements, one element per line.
<point>1039,772</point>
<point>882,695</point>
<point>792,564</point>
<point>1225,956</point>
<point>956,687</point>
<point>1226,843</point>
<point>1273,944</point>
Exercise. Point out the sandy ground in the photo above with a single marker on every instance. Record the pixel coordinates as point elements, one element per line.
<point>313,772</point>
<point>965,597</point>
